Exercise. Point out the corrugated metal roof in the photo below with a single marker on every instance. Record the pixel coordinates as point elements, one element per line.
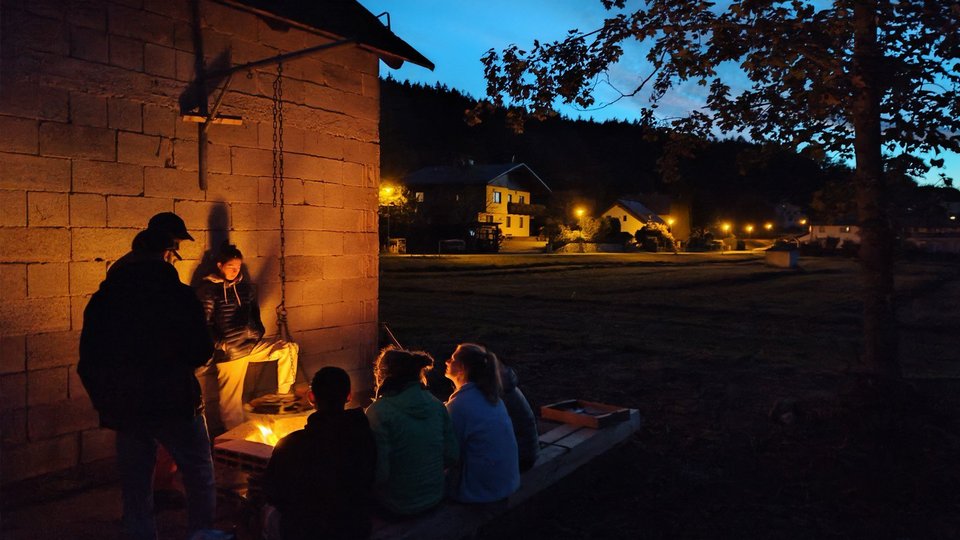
<point>472,175</point>
<point>346,19</point>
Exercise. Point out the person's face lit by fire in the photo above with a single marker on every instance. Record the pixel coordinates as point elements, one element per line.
<point>230,269</point>
<point>455,371</point>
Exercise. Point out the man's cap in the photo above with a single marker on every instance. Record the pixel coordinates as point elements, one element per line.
<point>170,223</point>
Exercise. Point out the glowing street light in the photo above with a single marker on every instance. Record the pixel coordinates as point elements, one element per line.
<point>671,221</point>
<point>803,221</point>
<point>725,227</point>
<point>768,226</point>
<point>749,229</point>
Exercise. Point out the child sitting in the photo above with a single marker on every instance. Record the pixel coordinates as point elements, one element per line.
<point>320,477</point>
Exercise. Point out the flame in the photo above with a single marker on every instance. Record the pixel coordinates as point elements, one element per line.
<point>267,435</point>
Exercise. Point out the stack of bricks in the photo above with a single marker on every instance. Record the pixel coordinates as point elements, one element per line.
<point>91,146</point>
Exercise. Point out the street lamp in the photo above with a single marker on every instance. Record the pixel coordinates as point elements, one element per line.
<point>768,226</point>
<point>749,229</point>
<point>725,227</point>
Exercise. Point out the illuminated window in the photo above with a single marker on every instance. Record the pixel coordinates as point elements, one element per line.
<point>521,199</point>
<point>496,196</point>
<point>419,196</point>
<point>489,218</point>
<point>509,197</point>
<point>508,221</point>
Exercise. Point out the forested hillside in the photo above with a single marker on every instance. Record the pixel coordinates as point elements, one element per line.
<point>592,162</point>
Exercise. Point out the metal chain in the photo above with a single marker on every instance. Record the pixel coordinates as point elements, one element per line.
<point>282,328</point>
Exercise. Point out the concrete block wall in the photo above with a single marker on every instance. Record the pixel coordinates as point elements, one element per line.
<point>91,146</point>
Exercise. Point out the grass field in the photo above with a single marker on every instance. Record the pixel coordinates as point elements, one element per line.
<point>705,346</point>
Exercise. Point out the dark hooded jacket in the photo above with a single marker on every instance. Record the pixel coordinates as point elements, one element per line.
<point>143,336</point>
<point>522,417</point>
<point>320,477</point>
<point>233,316</point>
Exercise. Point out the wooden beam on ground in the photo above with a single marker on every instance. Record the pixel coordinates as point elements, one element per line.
<point>566,449</point>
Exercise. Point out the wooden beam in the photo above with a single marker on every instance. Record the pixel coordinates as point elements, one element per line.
<point>229,120</point>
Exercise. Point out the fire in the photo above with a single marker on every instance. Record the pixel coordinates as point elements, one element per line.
<point>267,435</point>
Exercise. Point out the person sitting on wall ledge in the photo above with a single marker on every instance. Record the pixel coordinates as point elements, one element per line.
<point>319,478</point>
<point>233,318</point>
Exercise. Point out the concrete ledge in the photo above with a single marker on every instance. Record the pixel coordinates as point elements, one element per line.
<point>564,449</point>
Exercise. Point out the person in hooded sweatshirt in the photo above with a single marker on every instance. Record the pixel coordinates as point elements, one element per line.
<point>415,440</point>
<point>143,336</point>
<point>319,478</point>
<point>233,318</point>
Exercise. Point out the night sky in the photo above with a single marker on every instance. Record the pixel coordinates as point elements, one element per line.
<point>455,34</point>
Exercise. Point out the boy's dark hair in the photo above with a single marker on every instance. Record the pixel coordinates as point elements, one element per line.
<point>331,386</point>
<point>228,252</point>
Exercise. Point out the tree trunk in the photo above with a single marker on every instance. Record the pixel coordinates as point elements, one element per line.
<point>880,340</point>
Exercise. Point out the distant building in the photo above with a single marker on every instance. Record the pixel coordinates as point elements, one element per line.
<point>635,212</point>
<point>818,234</point>
<point>469,193</point>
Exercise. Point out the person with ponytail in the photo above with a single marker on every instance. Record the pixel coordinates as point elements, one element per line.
<point>233,319</point>
<point>414,436</point>
<point>489,468</point>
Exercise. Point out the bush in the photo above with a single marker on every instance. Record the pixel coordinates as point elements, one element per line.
<point>660,234</point>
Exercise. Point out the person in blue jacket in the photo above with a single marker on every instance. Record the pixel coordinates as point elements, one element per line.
<point>489,468</point>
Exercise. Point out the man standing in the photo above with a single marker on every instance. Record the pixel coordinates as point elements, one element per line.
<point>143,336</point>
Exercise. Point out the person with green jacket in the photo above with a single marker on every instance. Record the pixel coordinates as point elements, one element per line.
<point>413,433</point>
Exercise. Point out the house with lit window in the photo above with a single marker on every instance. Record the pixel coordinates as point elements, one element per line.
<point>634,212</point>
<point>499,195</point>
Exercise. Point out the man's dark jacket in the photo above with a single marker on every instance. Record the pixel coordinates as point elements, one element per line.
<point>233,316</point>
<point>143,336</point>
<point>320,477</point>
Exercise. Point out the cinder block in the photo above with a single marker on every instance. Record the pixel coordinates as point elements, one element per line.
<point>38,458</point>
<point>13,391</point>
<point>344,267</point>
<point>323,243</point>
<point>307,218</point>
<point>88,210</point>
<point>47,209</point>
<point>125,114</point>
<point>45,280</point>
<point>126,53</point>
<point>172,183</point>
<point>72,141</point>
<point>186,68</point>
<point>323,291</point>
<point>360,198</point>
<point>52,419</point>
<point>144,149</point>
<point>293,191</point>
<point>359,289</point>
<point>302,318</point>
<point>13,209</point>
<point>32,315</point>
<point>367,153</point>
<point>18,171</point>
<point>97,444</point>
<point>46,386</point>
<point>312,168</point>
<point>355,174</point>
<point>313,193</point>
<point>13,427</point>
<point>13,354</point>
<point>34,245</point>
<point>13,280</point>
<point>342,219</point>
<point>246,135</point>
<point>232,188</point>
<point>52,350</point>
<point>243,217</point>
<point>250,162</point>
<point>186,154</point>
<point>135,211</point>
<point>360,243</point>
<point>89,44</point>
<point>19,135</point>
<point>370,86</point>
<point>370,310</point>
<point>38,33</point>
<point>103,244</point>
<point>75,388</point>
<point>198,215</point>
<point>77,305</point>
<point>334,195</point>
<point>136,23</point>
<point>87,110</point>
<point>317,143</point>
<point>159,120</point>
<point>160,61</point>
<point>342,314</point>
<point>85,277</point>
<point>228,20</point>
<point>173,10</point>
<point>87,15</point>
<point>107,178</point>
<point>303,268</point>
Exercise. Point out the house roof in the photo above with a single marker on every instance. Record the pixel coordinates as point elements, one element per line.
<point>346,19</point>
<point>496,175</point>
<point>638,210</point>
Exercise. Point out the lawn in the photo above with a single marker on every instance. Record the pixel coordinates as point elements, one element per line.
<point>706,346</point>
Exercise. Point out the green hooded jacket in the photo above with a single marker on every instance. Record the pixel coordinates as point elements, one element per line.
<point>415,443</point>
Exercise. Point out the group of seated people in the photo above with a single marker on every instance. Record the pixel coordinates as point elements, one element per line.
<point>405,453</point>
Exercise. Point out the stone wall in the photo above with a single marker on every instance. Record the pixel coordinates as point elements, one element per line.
<point>91,145</point>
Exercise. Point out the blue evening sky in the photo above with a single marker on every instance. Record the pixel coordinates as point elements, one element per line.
<point>454,34</point>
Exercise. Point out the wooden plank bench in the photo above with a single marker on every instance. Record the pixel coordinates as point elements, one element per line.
<point>564,449</point>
